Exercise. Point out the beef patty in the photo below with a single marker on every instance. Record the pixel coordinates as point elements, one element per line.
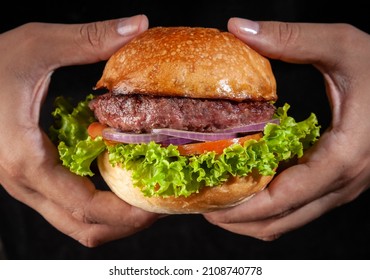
<point>142,113</point>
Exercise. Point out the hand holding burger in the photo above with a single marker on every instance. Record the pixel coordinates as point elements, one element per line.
<point>337,169</point>
<point>30,167</point>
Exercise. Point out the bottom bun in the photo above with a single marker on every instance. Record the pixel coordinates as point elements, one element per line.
<point>233,192</point>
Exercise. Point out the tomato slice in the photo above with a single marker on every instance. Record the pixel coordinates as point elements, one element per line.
<point>214,146</point>
<point>95,129</point>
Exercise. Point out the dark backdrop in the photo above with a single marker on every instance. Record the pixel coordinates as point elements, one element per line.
<point>340,234</point>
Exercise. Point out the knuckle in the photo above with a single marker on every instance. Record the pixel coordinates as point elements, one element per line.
<point>79,214</point>
<point>15,170</point>
<point>30,28</point>
<point>90,241</point>
<point>217,218</point>
<point>93,33</point>
<point>12,171</point>
<point>267,234</point>
<point>287,35</point>
<point>88,238</point>
<point>139,221</point>
<point>269,238</point>
<point>346,33</point>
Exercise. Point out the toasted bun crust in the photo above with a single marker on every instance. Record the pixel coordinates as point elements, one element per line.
<point>192,62</point>
<point>231,193</point>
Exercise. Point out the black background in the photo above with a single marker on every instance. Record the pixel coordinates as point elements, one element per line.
<point>340,234</point>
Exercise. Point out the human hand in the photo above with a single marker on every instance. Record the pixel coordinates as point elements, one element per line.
<point>30,169</point>
<point>337,169</point>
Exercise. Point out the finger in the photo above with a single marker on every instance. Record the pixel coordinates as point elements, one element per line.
<point>304,183</point>
<point>296,42</point>
<point>97,41</point>
<point>74,193</point>
<point>72,44</point>
<point>85,231</point>
<point>272,228</point>
<point>293,188</point>
<point>71,204</point>
<point>308,182</point>
<point>78,195</point>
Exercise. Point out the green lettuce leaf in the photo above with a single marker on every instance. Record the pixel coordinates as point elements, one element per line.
<point>76,149</point>
<point>162,171</point>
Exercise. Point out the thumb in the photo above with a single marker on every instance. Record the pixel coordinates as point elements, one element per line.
<point>99,40</point>
<point>308,43</point>
<point>74,44</point>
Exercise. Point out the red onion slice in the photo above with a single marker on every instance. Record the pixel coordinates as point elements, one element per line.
<point>254,127</point>
<point>176,141</point>
<point>196,136</point>
<point>132,138</point>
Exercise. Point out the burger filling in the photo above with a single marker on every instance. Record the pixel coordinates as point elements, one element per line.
<point>162,169</point>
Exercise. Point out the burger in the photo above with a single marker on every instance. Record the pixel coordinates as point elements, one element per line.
<point>187,123</point>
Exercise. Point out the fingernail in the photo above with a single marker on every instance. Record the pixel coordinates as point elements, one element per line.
<point>246,26</point>
<point>129,26</point>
